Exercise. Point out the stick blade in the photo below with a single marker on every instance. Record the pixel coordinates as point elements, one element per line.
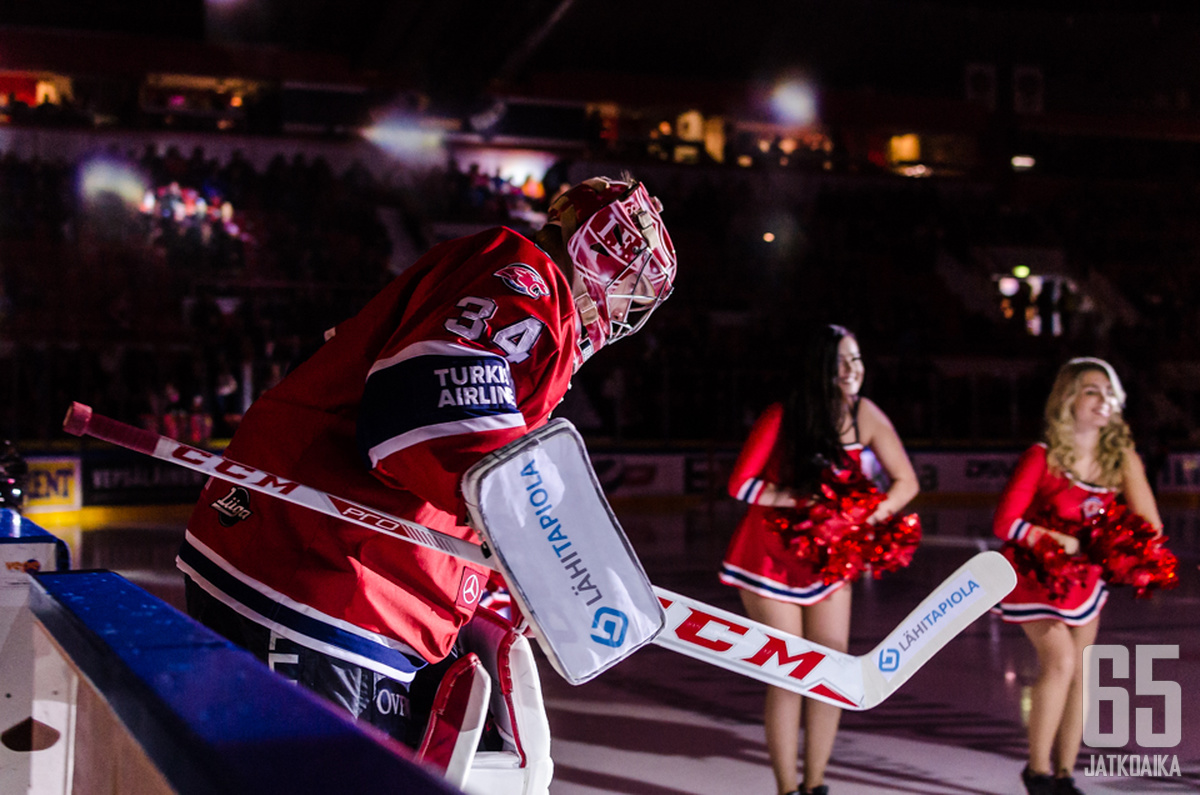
<point>968,593</point>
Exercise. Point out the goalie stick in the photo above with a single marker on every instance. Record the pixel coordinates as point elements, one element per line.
<point>693,628</point>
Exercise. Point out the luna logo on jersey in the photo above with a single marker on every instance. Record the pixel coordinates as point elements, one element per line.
<point>524,280</point>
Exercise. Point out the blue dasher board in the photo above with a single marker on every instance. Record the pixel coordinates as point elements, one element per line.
<point>212,718</point>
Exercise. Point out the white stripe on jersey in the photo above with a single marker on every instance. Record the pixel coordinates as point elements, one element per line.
<point>299,607</point>
<point>428,348</point>
<point>496,422</point>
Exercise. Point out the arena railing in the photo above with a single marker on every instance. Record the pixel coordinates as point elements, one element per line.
<point>123,693</point>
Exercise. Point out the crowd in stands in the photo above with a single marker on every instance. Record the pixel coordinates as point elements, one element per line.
<point>177,307</point>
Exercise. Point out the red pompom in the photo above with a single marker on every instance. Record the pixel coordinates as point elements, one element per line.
<point>1125,546</point>
<point>831,532</point>
<point>1131,551</point>
<point>1048,563</point>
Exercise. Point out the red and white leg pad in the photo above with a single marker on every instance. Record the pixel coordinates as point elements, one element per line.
<point>457,719</point>
<point>523,766</point>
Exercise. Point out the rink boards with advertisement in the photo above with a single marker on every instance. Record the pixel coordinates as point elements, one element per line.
<point>108,477</point>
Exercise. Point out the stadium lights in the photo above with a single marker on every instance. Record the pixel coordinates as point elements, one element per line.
<point>1023,162</point>
<point>404,140</point>
<point>795,101</point>
<point>100,176</point>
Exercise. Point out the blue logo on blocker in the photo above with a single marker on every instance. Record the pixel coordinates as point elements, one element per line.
<point>889,660</point>
<point>613,624</point>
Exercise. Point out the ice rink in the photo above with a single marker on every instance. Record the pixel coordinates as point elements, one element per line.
<point>663,724</point>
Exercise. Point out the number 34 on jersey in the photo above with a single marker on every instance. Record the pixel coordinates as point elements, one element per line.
<point>515,339</point>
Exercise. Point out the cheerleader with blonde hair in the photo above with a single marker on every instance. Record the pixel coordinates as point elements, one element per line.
<point>1085,462</point>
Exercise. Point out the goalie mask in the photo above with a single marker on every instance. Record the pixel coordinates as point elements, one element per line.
<point>623,257</point>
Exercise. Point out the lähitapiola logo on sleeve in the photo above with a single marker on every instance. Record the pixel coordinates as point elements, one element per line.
<point>1109,711</point>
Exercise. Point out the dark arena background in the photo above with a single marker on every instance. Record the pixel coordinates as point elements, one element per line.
<point>191,193</point>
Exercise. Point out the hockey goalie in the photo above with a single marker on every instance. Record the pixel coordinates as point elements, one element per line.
<point>468,350</point>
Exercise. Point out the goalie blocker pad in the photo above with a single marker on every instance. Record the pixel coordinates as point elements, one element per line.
<point>571,570</point>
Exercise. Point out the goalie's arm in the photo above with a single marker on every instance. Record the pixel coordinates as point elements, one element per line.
<point>461,377</point>
<point>420,431</point>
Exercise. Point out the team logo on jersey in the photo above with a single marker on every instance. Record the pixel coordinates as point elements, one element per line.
<point>524,280</point>
<point>233,507</point>
<point>1091,506</point>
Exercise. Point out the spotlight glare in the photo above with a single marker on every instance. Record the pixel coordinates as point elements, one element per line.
<point>404,141</point>
<point>100,176</point>
<point>795,101</point>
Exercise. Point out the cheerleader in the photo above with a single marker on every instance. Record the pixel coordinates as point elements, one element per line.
<point>1086,460</point>
<point>825,426</point>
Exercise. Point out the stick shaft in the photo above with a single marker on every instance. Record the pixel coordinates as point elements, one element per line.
<point>693,628</point>
<point>81,420</point>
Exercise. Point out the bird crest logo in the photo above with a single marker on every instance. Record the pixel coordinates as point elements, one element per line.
<point>524,280</point>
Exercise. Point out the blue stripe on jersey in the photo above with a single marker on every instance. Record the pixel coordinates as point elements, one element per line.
<point>434,389</point>
<point>319,635</point>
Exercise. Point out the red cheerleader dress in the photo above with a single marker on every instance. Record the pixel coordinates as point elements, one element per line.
<point>1032,490</point>
<point>758,558</point>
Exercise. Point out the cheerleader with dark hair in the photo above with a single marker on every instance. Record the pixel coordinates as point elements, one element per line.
<point>800,459</point>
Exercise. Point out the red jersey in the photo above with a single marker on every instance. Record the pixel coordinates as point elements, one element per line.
<point>464,352</point>
<point>758,559</point>
<point>1032,489</point>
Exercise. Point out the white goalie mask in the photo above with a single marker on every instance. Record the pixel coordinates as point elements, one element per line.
<point>624,260</point>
